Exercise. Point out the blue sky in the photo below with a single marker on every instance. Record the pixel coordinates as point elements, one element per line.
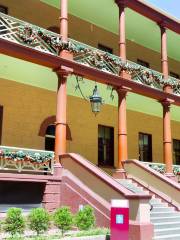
<point>170,6</point>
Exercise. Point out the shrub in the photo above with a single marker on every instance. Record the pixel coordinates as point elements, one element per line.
<point>14,221</point>
<point>63,219</point>
<point>85,218</point>
<point>39,220</point>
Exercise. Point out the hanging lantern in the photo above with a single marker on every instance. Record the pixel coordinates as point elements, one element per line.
<point>96,101</point>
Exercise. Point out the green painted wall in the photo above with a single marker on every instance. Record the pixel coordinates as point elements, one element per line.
<point>42,77</point>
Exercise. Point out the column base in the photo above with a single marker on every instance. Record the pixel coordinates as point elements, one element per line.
<point>58,169</point>
<point>119,174</point>
<point>171,176</point>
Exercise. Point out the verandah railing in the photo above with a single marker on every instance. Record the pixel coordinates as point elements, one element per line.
<point>20,32</point>
<point>161,167</point>
<point>13,159</point>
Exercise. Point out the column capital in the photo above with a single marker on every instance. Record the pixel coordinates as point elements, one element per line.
<point>123,90</point>
<point>61,72</point>
<point>162,25</point>
<point>121,2</point>
<point>166,102</point>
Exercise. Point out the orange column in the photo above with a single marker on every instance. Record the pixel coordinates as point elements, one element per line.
<point>122,128</point>
<point>167,141</point>
<point>60,134</point>
<point>64,20</point>
<point>62,73</point>
<point>122,32</point>
<point>122,125</point>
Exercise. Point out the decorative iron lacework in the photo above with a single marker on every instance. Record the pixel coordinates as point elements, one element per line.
<point>14,30</point>
<point>28,160</point>
<point>160,167</point>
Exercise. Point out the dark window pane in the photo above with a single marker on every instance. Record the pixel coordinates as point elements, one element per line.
<point>176,151</point>
<point>49,144</point>
<point>50,138</point>
<point>143,63</point>
<point>50,130</point>
<point>105,48</point>
<point>175,75</point>
<point>1,122</point>
<point>3,9</point>
<point>145,147</point>
<point>105,146</point>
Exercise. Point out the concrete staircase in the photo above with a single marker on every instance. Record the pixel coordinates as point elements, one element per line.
<point>165,219</point>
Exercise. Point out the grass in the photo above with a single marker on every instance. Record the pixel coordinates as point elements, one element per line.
<point>92,232</point>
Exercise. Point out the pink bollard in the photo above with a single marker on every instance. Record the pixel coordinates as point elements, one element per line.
<point>119,219</point>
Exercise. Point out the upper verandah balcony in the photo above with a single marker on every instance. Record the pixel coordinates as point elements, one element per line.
<point>30,36</point>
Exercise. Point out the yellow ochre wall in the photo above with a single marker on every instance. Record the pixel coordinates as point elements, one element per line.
<point>25,108</point>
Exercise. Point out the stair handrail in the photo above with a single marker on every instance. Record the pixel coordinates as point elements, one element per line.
<point>104,177</point>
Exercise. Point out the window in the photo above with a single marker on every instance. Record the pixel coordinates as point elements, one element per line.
<point>176,151</point>
<point>3,29</point>
<point>50,138</point>
<point>54,29</point>
<point>175,75</point>
<point>143,63</point>
<point>105,146</point>
<point>3,9</point>
<point>145,147</point>
<point>105,48</point>
<point>1,121</point>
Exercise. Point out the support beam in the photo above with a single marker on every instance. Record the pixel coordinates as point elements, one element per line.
<point>144,8</point>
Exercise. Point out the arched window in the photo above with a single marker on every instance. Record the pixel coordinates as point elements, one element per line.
<point>47,130</point>
<point>50,138</point>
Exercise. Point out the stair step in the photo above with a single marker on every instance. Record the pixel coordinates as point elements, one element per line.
<point>162,209</point>
<point>155,200</point>
<point>132,187</point>
<point>165,219</point>
<point>163,204</point>
<point>166,225</point>
<point>164,214</point>
<point>169,231</point>
<point>167,237</point>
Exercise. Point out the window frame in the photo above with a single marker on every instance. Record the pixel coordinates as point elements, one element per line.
<point>174,152</point>
<point>1,122</point>
<point>175,75</point>
<point>105,48</point>
<point>4,8</point>
<point>149,152</point>
<point>143,63</point>
<point>110,162</point>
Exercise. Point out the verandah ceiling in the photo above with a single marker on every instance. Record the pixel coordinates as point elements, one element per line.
<point>104,13</point>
